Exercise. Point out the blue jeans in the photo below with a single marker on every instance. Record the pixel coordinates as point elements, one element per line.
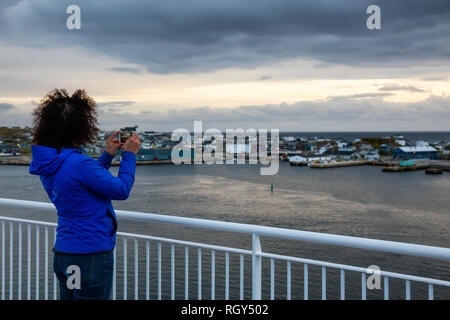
<point>90,275</point>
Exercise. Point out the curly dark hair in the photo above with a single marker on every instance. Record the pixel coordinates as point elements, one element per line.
<point>64,121</point>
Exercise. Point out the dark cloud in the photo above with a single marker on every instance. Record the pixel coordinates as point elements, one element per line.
<point>116,104</point>
<point>127,70</point>
<point>263,78</point>
<point>200,35</point>
<point>6,107</point>
<point>400,88</point>
<point>370,95</point>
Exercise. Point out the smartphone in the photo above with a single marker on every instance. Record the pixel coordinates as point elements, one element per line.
<point>124,136</point>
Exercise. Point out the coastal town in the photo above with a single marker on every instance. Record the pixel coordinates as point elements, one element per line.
<point>397,151</point>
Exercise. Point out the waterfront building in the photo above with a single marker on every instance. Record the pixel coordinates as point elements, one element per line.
<point>407,153</point>
<point>310,147</point>
<point>387,147</point>
<point>292,145</point>
<point>365,146</point>
<point>372,155</point>
<point>348,153</point>
<point>153,154</point>
<point>341,144</point>
<point>9,148</point>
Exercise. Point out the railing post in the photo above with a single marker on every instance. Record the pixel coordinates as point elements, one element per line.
<point>3,260</point>
<point>256,267</point>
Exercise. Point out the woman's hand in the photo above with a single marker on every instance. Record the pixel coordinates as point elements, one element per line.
<point>113,144</point>
<point>133,144</point>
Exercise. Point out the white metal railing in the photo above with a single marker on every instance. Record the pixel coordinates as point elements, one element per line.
<point>18,280</point>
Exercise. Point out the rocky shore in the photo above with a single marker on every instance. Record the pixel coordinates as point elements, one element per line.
<point>16,161</point>
<point>26,160</point>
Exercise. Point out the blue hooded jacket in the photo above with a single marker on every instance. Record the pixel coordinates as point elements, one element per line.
<point>81,188</point>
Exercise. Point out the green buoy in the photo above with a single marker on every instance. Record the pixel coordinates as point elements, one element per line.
<point>271,187</point>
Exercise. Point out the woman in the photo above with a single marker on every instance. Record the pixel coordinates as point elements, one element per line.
<point>81,189</point>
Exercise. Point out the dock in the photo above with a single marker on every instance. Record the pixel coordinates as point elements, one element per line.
<point>339,164</point>
<point>350,163</point>
<point>405,168</point>
<point>388,166</point>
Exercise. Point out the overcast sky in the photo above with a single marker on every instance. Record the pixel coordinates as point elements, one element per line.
<point>303,65</point>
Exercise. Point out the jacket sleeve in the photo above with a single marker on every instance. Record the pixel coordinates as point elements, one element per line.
<point>105,160</point>
<point>97,179</point>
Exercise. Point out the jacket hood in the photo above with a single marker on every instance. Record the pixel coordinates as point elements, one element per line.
<point>46,160</point>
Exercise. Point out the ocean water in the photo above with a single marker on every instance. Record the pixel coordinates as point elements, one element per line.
<point>356,201</point>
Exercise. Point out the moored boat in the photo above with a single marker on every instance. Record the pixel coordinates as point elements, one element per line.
<point>298,161</point>
<point>434,170</point>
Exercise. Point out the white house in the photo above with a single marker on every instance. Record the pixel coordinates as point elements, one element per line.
<point>372,156</point>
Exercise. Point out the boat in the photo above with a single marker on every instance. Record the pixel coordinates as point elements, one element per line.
<point>298,161</point>
<point>434,170</point>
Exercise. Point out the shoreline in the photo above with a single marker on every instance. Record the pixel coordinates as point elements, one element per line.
<point>26,160</point>
<point>388,166</point>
